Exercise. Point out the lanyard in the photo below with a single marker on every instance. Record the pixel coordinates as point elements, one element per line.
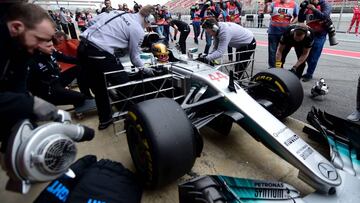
<point>108,21</point>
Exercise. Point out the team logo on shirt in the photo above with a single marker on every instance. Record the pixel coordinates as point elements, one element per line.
<point>125,20</point>
<point>41,66</point>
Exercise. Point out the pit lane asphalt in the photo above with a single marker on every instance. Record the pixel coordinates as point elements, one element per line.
<point>340,67</point>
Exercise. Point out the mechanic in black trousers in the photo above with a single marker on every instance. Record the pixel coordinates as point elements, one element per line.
<point>228,34</point>
<point>46,81</point>
<point>24,27</point>
<point>301,38</point>
<point>183,28</point>
<point>115,30</point>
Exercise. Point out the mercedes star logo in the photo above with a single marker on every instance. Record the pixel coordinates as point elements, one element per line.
<point>328,171</point>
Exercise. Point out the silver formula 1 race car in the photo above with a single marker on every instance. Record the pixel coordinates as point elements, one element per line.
<point>164,112</point>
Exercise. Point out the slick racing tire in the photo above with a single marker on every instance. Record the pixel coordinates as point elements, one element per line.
<point>161,141</point>
<point>282,88</point>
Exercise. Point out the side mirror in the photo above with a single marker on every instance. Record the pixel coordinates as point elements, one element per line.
<point>145,56</point>
<point>191,52</point>
<point>148,58</point>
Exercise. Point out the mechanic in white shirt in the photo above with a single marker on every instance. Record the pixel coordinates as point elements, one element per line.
<point>115,30</point>
<point>233,35</point>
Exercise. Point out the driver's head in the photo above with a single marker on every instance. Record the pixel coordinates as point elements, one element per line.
<point>30,25</point>
<point>161,52</point>
<point>147,13</point>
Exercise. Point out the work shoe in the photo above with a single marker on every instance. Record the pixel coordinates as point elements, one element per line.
<point>306,77</point>
<point>89,104</point>
<point>104,125</point>
<point>355,116</point>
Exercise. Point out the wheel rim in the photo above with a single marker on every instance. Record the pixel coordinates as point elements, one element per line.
<point>140,152</point>
<point>277,97</point>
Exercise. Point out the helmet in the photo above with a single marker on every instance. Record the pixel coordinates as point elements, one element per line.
<point>320,88</point>
<point>160,51</point>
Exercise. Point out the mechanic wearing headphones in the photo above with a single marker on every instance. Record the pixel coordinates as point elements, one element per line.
<point>233,35</point>
<point>301,38</point>
<point>115,30</point>
<point>24,28</point>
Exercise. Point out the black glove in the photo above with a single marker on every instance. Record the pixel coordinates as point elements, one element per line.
<point>147,71</point>
<point>202,58</point>
<point>44,111</point>
<point>293,70</point>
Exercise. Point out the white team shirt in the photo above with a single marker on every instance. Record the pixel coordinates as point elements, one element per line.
<point>230,34</point>
<point>126,31</point>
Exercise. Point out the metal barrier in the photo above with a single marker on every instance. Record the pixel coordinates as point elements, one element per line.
<point>226,65</point>
<point>164,83</point>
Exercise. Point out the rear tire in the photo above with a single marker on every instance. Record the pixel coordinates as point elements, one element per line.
<point>282,88</point>
<point>161,141</point>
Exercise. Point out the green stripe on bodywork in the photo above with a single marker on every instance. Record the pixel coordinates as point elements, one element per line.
<point>248,190</point>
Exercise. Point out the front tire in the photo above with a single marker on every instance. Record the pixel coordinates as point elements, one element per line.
<point>282,88</point>
<point>161,141</point>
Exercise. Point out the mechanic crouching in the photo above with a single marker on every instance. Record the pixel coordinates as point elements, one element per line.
<point>233,35</point>
<point>316,13</point>
<point>25,27</point>
<point>96,52</point>
<point>46,81</point>
<point>301,38</point>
